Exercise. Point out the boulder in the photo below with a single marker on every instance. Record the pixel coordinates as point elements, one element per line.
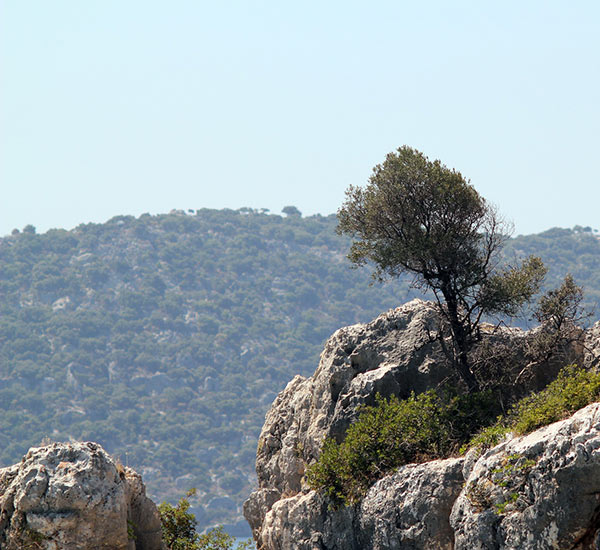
<point>74,496</point>
<point>539,491</point>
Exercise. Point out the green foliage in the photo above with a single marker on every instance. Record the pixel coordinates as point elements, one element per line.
<point>131,530</point>
<point>419,217</point>
<point>291,211</point>
<point>179,530</point>
<point>178,525</point>
<point>217,539</point>
<point>488,437</point>
<point>433,425</point>
<point>505,292</point>
<point>179,330</point>
<point>573,389</point>
<point>501,507</point>
<point>395,432</point>
<point>561,304</point>
<point>561,314</point>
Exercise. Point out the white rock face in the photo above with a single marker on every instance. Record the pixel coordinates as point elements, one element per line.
<point>537,492</point>
<point>394,354</point>
<point>73,497</point>
<point>408,509</point>
<point>541,491</point>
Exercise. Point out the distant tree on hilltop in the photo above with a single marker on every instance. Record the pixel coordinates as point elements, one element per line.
<point>291,211</point>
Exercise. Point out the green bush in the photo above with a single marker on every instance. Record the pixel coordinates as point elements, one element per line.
<point>179,530</point>
<point>488,437</point>
<point>573,389</point>
<point>217,539</point>
<point>178,525</point>
<point>434,425</point>
<point>396,432</point>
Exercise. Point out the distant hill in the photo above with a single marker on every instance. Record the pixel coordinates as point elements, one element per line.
<point>165,338</point>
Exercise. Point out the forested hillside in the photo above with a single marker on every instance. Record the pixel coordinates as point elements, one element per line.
<point>165,338</point>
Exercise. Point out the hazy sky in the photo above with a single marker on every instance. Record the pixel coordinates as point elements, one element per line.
<point>124,107</point>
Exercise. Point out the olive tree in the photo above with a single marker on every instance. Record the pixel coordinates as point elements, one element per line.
<point>420,217</point>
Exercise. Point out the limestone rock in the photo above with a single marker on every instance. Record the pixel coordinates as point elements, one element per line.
<point>540,491</point>
<point>305,522</point>
<point>74,496</point>
<point>398,353</point>
<point>142,514</point>
<point>408,509</point>
<point>536,492</point>
<point>392,354</point>
<point>591,345</point>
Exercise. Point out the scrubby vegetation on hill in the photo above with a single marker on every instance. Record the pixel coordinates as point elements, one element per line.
<point>165,338</point>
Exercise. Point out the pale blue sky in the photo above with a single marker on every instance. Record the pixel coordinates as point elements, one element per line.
<point>123,107</point>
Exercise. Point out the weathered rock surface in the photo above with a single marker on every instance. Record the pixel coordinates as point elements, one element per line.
<point>408,509</point>
<point>396,354</point>
<point>392,354</point>
<point>591,347</point>
<point>535,492</point>
<point>304,522</point>
<point>73,497</point>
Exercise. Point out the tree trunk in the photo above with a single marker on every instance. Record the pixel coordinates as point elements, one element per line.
<point>461,344</point>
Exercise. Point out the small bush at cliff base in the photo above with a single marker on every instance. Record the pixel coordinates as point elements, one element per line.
<point>394,432</point>
<point>573,389</point>
<point>178,525</point>
<point>179,530</point>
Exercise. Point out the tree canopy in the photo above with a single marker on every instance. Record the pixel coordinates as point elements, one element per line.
<point>420,217</point>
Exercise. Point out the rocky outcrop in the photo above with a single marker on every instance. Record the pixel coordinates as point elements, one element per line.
<point>408,509</point>
<point>397,353</point>
<point>74,496</point>
<point>535,492</point>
